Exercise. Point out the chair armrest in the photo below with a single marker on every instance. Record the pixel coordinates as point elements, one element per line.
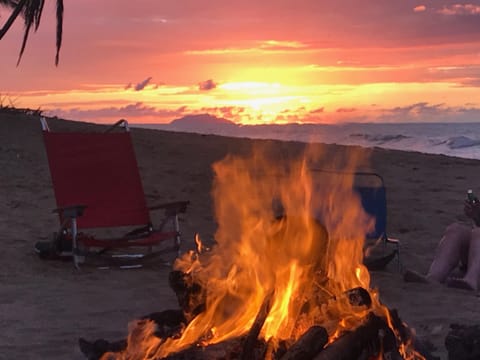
<point>172,208</point>
<point>392,240</point>
<point>71,211</point>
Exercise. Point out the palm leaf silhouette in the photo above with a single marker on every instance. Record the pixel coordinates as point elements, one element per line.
<point>31,11</point>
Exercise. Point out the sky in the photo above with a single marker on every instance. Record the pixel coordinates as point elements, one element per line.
<point>250,61</point>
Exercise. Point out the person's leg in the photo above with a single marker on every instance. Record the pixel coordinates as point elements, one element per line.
<point>471,280</point>
<point>452,249</point>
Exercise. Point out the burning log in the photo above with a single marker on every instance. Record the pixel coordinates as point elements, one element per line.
<point>168,323</point>
<point>252,337</point>
<point>367,340</point>
<point>191,296</point>
<point>224,350</point>
<point>407,336</point>
<point>359,297</point>
<point>309,344</point>
<point>95,350</point>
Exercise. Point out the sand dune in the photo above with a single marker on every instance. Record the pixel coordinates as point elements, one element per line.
<point>47,306</point>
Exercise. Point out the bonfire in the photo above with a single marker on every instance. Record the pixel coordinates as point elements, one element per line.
<point>284,278</point>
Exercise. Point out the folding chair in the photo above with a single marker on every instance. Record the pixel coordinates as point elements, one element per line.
<point>371,188</point>
<point>97,186</point>
<point>373,196</point>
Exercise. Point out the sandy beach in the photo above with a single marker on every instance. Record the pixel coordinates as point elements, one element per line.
<point>46,306</point>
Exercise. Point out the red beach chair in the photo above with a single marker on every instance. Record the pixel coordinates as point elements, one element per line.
<point>97,186</point>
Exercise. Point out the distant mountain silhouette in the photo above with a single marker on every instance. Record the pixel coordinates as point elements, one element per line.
<point>201,120</point>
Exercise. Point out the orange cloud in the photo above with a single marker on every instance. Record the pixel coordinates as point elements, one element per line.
<point>419,8</point>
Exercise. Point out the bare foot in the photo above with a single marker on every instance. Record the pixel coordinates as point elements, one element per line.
<point>413,276</point>
<point>460,284</point>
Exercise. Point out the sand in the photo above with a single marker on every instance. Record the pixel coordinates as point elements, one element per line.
<point>46,306</point>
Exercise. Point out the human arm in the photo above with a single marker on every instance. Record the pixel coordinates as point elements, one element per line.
<point>472,210</point>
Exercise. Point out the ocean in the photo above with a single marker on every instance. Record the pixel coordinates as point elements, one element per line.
<point>452,139</point>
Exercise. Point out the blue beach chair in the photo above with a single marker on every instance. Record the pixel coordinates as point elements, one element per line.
<point>371,188</point>
<point>374,201</point>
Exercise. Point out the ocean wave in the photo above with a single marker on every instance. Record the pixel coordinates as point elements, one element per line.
<point>460,142</point>
<point>452,139</point>
<point>379,139</point>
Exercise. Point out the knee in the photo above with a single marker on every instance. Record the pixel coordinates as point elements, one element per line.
<point>476,233</point>
<point>457,229</point>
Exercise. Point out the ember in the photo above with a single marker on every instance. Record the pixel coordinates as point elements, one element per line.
<point>282,282</point>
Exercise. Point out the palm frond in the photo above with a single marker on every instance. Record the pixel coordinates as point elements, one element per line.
<point>9,3</point>
<point>17,10</point>
<point>31,11</point>
<point>59,29</point>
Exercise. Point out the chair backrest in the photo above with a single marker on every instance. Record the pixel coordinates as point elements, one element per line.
<point>98,170</point>
<point>374,203</point>
<point>371,189</point>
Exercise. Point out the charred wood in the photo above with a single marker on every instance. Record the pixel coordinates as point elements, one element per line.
<point>95,350</point>
<point>168,323</point>
<point>252,336</point>
<point>308,345</point>
<point>226,350</point>
<point>463,342</point>
<point>359,297</point>
<point>191,296</point>
<point>423,347</point>
<point>367,338</point>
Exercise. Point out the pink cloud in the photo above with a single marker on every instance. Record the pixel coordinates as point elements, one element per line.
<point>460,9</point>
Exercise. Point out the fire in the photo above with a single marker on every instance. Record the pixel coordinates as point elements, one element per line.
<point>286,235</point>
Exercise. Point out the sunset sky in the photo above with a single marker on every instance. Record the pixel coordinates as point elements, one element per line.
<point>250,61</point>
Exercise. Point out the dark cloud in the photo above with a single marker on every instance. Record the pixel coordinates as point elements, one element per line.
<point>425,112</point>
<point>234,113</point>
<point>207,85</point>
<point>141,85</point>
<point>345,110</point>
<point>317,111</point>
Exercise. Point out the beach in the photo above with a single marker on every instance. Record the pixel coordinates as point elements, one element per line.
<point>47,305</point>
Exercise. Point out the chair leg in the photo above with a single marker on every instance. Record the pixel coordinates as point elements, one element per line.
<point>399,262</point>
<point>177,236</point>
<point>77,257</point>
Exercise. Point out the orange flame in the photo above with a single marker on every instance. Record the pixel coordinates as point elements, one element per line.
<point>283,229</point>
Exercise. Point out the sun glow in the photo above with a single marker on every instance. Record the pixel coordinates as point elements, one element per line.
<point>264,102</point>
